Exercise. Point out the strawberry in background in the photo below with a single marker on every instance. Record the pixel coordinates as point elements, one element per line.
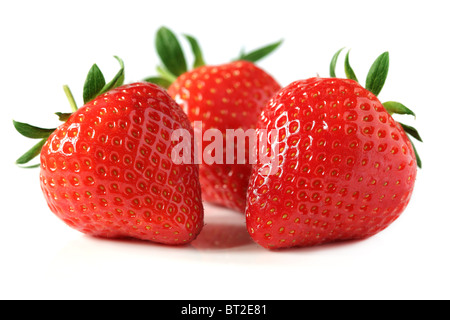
<point>346,170</point>
<point>107,170</point>
<point>226,96</point>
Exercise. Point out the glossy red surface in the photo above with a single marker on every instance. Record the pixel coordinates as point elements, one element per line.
<point>108,171</point>
<point>229,96</point>
<point>347,169</point>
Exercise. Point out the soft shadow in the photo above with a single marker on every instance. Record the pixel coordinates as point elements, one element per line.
<point>216,236</point>
<point>223,229</point>
<point>135,242</point>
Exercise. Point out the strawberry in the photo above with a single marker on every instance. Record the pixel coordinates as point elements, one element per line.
<point>107,171</point>
<point>229,96</point>
<point>346,168</point>
<point>223,97</point>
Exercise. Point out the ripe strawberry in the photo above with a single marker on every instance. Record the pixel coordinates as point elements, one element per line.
<point>227,96</point>
<point>107,171</point>
<point>347,168</point>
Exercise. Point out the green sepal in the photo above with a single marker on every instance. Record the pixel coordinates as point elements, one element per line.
<point>160,81</point>
<point>32,132</point>
<point>166,74</point>
<point>33,166</point>
<point>377,75</point>
<point>94,86</point>
<point>411,131</point>
<point>334,62</point>
<point>32,153</point>
<point>94,83</point>
<point>63,117</point>
<point>199,61</point>
<point>170,52</point>
<point>348,69</point>
<point>118,79</point>
<point>259,54</point>
<point>394,107</point>
<point>375,81</point>
<point>418,159</point>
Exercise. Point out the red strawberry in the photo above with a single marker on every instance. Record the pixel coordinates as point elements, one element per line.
<point>347,168</point>
<point>107,171</point>
<point>227,96</point>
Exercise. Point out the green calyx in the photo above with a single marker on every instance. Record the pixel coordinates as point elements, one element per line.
<point>375,80</point>
<point>94,86</point>
<point>174,62</point>
<point>376,77</point>
<point>32,132</point>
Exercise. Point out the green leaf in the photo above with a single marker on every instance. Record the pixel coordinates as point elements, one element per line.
<point>63,116</point>
<point>32,153</point>
<point>397,108</point>
<point>30,166</point>
<point>118,79</point>
<point>415,134</point>
<point>32,132</point>
<point>334,62</point>
<point>197,51</point>
<point>411,131</point>
<point>377,74</point>
<point>160,81</point>
<point>260,53</point>
<point>170,51</point>
<point>94,83</point>
<point>348,69</point>
<point>419,161</point>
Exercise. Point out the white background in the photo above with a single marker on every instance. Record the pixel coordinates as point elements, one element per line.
<point>46,44</point>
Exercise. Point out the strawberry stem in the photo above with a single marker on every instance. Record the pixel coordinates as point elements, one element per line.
<point>69,95</point>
